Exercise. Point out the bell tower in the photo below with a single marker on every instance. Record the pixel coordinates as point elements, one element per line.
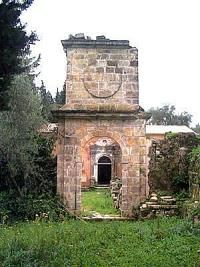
<point>102,107</point>
<point>101,74</point>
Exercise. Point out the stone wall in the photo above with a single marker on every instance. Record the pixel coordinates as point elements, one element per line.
<point>169,162</point>
<point>102,78</point>
<point>194,172</point>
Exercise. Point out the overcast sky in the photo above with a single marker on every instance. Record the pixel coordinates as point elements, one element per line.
<point>166,33</point>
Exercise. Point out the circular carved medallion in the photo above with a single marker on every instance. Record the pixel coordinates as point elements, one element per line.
<point>100,80</point>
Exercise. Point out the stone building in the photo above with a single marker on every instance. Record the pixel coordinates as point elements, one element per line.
<point>101,128</point>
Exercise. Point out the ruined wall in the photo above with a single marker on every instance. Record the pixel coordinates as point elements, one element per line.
<point>102,100</point>
<point>169,162</point>
<point>130,135</point>
<point>194,173</point>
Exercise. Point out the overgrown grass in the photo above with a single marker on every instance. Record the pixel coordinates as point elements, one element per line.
<point>97,201</point>
<point>165,242</point>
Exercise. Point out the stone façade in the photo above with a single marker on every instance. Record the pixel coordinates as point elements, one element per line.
<point>101,117</point>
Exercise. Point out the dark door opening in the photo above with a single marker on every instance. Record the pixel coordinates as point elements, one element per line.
<point>104,170</point>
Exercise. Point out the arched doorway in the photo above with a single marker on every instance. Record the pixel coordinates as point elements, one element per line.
<point>104,170</point>
<point>93,151</point>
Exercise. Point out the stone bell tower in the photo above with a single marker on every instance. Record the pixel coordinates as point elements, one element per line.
<point>101,122</point>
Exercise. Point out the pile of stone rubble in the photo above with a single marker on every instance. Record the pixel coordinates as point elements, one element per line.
<point>162,205</point>
<point>116,187</point>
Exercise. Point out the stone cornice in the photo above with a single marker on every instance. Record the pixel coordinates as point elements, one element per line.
<point>74,114</point>
<point>104,43</point>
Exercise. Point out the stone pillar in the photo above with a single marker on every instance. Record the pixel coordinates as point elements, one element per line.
<point>77,204</point>
<point>60,159</point>
<point>124,205</point>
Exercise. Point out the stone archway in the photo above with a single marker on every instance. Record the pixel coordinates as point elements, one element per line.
<point>95,150</point>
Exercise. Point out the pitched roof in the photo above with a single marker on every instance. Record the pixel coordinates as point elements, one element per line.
<point>162,129</point>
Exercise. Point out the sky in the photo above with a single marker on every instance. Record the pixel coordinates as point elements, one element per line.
<point>166,33</point>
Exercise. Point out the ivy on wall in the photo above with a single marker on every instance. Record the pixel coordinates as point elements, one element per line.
<point>170,164</point>
<point>194,173</point>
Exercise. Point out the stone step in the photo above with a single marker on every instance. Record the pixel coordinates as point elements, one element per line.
<point>107,218</point>
<point>168,200</point>
<point>102,187</point>
<point>165,206</point>
<point>151,203</point>
<point>166,197</point>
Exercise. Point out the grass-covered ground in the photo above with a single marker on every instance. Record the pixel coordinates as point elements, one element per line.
<point>155,243</point>
<point>98,200</point>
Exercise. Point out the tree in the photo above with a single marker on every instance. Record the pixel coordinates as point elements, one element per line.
<point>60,96</point>
<point>18,128</point>
<point>166,115</point>
<point>197,128</point>
<point>57,97</point>
<point>46,101</point>
<point>63,95</point>
<point>14,43</point>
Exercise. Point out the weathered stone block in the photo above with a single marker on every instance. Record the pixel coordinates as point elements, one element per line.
<point>112,63</point>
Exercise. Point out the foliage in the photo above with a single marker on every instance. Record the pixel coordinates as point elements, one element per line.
<point>195,209</point>
<point>194,173</point>
<point>14,43</point>
<point>194,158</point>
<point>166,115</point>
<point>18,128</point>
<point>38,193</point>
<point>169,162</point>
<point>60,96</point>
<point>170,135</point>
<point>190,209</point>
<point>27,167</point>
<point>13,208</point>
<point>43,180</point>
<point>169,242</point>
<point>47,102</point>
<point>196,128</point>
<point>97,201</point>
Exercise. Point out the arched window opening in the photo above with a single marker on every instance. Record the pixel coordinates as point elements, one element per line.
<point>104,159</point>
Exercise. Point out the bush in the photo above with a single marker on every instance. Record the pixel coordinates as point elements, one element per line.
<point>32,194</point>
<point>42,178</point>
<point>190,209</point>
<point>29,208</point>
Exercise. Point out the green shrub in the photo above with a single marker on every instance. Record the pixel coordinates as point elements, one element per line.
<point>29,208</point>
<point>42,177</point>
<point>170,135</point>
<point>189,209</point>
<point>194,209</point>
<point>194,173</point>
